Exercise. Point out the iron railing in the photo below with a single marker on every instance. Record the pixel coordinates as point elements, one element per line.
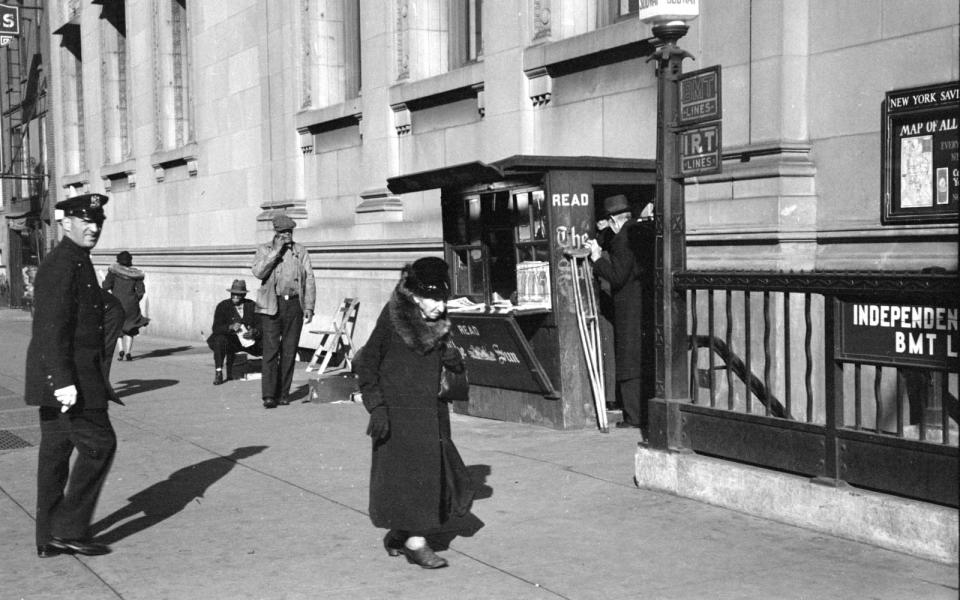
<point>767,388</point>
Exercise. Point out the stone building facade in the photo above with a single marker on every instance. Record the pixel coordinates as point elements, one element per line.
<point>200,118</point>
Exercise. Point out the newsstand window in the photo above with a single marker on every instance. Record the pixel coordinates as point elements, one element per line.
<point>488,234</point>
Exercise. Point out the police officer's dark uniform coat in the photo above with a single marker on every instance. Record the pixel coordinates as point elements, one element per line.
<point>67,348</point>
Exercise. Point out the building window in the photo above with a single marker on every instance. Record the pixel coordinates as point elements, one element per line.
<point>174,107</point>
<point>466,32</point>
<point>611,11</point>
<point>116,140</point>
<point>331,52</point>
<point>489,235</point>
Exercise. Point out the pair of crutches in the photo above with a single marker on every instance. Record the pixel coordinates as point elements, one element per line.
<point>585,302</point>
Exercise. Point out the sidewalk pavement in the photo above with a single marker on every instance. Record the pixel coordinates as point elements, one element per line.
<point>213,497</point>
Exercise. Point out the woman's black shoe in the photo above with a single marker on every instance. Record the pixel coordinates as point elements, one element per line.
<point>218,378</point>
<point>393,543</point>
<point>424,557</point>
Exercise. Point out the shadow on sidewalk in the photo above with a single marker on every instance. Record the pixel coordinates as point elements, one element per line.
<point>166,498</point>
<point>161,352</point>
<point>130,387</point>
<point>469,524</point>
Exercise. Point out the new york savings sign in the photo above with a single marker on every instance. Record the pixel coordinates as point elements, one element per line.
<point>898,335</point>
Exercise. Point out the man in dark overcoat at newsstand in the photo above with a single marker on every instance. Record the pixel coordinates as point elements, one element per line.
<point>621,269</point>
<point>66,378</point>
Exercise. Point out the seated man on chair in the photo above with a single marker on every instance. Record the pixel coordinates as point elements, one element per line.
<point>235,328</point>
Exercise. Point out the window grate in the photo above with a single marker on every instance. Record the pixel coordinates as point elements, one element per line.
<point>8,441</point>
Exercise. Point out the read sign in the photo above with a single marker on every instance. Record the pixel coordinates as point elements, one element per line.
<point>898,334</point>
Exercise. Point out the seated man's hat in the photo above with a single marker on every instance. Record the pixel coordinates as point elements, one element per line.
<point>239,287</point>
<point>88,207</point>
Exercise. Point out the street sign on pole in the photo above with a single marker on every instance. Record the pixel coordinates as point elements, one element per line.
<point>699,150</point>
<point>9,23</point>
<point>699,121</point>
<point>698,98</point>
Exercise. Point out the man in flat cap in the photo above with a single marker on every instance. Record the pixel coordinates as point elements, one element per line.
<point>66,378</point>
<point>285,302</point>
<point>622,270</point>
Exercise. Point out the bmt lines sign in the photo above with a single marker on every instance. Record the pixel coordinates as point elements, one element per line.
<point>897,334</point>
<point>699,120</point>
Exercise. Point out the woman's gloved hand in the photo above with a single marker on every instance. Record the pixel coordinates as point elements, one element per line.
<point>452,359</point>
<point>379,426</point>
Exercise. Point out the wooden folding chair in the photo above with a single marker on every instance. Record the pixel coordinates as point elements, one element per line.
<point>338,338</point>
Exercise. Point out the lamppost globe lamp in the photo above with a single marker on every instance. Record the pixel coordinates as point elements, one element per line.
<point>669,19</point>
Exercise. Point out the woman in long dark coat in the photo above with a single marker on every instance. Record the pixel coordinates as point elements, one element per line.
<point>399,371</point>
<point>125,282</point>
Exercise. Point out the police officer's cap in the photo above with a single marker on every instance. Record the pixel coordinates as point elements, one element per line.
<point>88,207</point>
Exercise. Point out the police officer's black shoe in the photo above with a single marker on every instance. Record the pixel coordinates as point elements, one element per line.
<point>79,547</point>
<point>269,403</point>
<point>47,551</point>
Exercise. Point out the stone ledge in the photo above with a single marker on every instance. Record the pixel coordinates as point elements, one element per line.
<point>909,526</point>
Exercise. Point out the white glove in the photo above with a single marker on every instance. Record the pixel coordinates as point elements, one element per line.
<point>595,250</point>
<point>67,397</point>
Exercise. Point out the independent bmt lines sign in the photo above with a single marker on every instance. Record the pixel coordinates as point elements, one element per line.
<point>898,334</point>
<point>9,23</point>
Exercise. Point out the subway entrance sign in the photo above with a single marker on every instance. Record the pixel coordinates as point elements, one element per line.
<point>699,150</point>
<point>698,96</point>
<point>699,119</point>
<point>9,23</point>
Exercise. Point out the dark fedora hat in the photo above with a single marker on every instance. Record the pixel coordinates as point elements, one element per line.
<point>614,205</point>
<point>239,287</point>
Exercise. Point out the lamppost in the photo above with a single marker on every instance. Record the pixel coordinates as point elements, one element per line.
<point>669,24</point>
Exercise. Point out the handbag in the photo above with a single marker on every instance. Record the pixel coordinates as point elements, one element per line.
<point>458,491</point>
<point>453,385</point>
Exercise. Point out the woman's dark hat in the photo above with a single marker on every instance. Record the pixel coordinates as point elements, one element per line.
<point>125,258</point>
<point>239,287</point>
<point>614,205</point>
<point>428,278</point>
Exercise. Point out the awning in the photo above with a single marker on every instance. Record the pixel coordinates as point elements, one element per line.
<point>23,221</point>
<point>458,175</point>
<point>475,173</point>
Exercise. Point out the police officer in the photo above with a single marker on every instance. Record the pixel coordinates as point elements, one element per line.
<point>66,379</point>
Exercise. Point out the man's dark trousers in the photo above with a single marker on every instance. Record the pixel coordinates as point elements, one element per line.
<point>634,405</point>
<point>65,508</point>
<point>281,337</point>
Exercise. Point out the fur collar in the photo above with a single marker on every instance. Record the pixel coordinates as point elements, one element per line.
<point>128,272</point>
<point>418,334</point>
